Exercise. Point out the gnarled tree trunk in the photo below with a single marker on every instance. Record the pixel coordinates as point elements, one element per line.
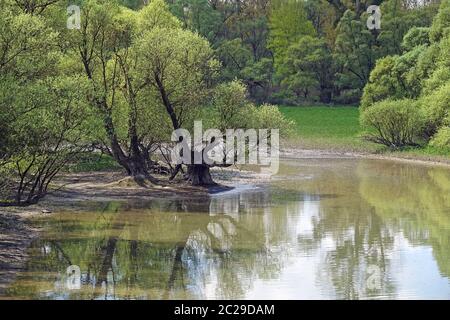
<point>199,175</point>
<point>134,162</point>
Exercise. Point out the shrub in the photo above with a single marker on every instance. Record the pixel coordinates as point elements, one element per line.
<point>394,77</point>
<point>270,117</point>
<point>230,105</point>
<point>436,107</point>
<point>441,72</point>
<point>441,23</point>
<point>442,138</point>
<point>383,83</point>
<point>416,37</point>
<point>394,123</point>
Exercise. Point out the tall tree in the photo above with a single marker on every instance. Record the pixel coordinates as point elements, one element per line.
<point>310,68</point>
<point>288,22</point>
<point>102,50</point>
<point>355,54</point>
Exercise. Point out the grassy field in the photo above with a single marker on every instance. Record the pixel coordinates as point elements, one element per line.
<point>337,128</point>
<point>91,162</point>
<point>325,127</point>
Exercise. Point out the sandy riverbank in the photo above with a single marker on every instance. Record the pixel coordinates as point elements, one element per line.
<point>294,153</point>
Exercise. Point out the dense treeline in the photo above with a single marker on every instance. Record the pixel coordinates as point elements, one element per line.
<point>291,52</point>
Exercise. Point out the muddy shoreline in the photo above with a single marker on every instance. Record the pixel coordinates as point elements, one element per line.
<point>295,153</point>
<point>17,232</point>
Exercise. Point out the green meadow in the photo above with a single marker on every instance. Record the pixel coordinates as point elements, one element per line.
<point>338,128</point>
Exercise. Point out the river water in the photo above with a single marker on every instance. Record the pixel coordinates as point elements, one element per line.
<point>321,229</point>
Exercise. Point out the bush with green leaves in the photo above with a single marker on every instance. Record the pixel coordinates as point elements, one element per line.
<point>394,123</point>
<point>439,71</point>
<point>50,126</point>
<point>231,109</point>
<point>394,77</point>
<point>436,108</point>
<point>383,83</point>
<point>270,117</point>
<point>45,120</point>
<point>421,73</point>
<point>416,37</point>
<point>441,23</point>
<point>442,138</point>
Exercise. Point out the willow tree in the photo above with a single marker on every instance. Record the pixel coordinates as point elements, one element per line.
<point>148,77</point>
<point>103,50</point>
<point>181,72</point>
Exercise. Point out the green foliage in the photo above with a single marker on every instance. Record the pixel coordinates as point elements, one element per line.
<point>231,109</point>
<point>238,32</point>
<point>441,139</point>
<point>230,106</point>
<point>269,117</point>
<point>259,76</point>
<point>157,14</point>
<point>437,109</point>
<point>47,120</point>
<point>441,24</point>
<point>132,4</point>
<point>27,44</point>
<point>357,48</point>
<point>394,77</point>
<point>198,16</point>
<point>178,63</point>
<point>396,123</point>
<point>416,37</point>
<point>235,57</point>
<point>421,73</point>
<point>398,18</point>
<point>308,67</point>
<point>324,18</point>
<point>51,126</point>
<point>355,52</point>
<point>288,23</point>
<point>383,83</point>
<point>439,66</point>
<point>253,41</point>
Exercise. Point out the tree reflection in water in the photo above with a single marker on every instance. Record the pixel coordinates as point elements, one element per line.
<point>340,219</point>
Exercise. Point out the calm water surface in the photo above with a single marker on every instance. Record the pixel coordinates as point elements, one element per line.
<point>322,229</point>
